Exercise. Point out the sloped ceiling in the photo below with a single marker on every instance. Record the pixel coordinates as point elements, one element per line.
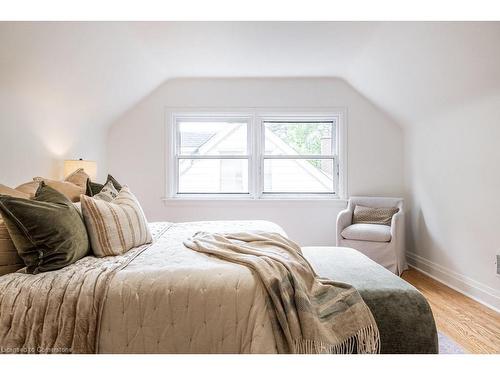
<point>95,71</point>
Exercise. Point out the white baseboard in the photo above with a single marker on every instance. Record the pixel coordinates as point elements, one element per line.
<point>471,288</point>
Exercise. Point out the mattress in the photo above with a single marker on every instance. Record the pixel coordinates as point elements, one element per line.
<point>171,299</point>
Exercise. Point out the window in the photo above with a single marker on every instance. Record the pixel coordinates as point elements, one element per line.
<point>212,156</point>
<point>256,155</point>
<point>299,157</point>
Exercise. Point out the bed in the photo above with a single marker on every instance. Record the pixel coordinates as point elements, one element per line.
<point>168,299</point>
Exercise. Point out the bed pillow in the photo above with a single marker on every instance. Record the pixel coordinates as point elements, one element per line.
<point>115,183</point>
<point>117,226</point>
<point>5,190</point>
<point>29,188</point>
<point>72,187</point>
<point>79,178</point>
<point>95,188</point>
<point>9,258</point>
<point>47,231</point>
<point>69,189</point>
<point>369,215</point>
<point>107,193</point>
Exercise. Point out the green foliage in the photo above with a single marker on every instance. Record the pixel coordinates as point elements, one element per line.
<point>305,138</point>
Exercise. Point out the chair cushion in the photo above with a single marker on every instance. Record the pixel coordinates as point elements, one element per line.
<point>367,232</point>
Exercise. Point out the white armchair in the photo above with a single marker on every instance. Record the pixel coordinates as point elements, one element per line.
<point>382,244</point>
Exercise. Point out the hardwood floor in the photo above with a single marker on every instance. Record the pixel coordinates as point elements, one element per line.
<point>473,326</point>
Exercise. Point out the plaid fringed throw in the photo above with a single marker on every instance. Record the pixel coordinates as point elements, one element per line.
<point>309,314</point>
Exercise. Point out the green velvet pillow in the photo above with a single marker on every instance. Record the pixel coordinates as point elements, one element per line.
<point>94,188</point>
<point>47,231</point>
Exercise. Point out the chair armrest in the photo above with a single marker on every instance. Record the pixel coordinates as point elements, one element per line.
<point>398,238</point>
<point>397,224</point>
<point>344,219</point>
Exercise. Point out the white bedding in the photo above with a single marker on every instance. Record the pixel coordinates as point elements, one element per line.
<point>173,300</point>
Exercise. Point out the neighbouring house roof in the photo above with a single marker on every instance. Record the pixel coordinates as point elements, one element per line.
<point>194,140</point>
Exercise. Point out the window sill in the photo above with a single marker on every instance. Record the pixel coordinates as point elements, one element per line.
<point>189,201</point>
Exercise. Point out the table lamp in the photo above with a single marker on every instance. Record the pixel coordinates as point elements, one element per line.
<point>89,166</point>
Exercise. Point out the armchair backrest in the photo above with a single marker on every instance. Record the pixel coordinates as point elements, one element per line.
<point>375,202</point>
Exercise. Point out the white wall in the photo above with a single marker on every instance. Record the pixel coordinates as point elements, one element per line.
<point>36,135</point>
<point>453,179</point>
<point>137,150</point>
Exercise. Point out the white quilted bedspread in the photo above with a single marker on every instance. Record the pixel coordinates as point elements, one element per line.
<point>174,300</point>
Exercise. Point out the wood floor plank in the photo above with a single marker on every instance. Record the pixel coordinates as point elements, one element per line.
<point>470,324</point>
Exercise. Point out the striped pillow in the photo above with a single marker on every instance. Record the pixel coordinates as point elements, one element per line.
<point>117,226</point>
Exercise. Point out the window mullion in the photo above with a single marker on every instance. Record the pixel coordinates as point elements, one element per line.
<point>174,185</point>
<point>260,136</point>
<point>252,152</point>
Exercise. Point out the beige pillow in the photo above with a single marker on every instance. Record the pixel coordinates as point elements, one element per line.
<point>74,185</point>
<point>79,178</point>
<point>29,188</point>
<point>117,226</point>
<point>70,190</point>
<point>9,258</point>
<point>5,190</point>
<point>369,215</point>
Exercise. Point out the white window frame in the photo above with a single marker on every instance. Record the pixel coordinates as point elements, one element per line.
<point>255,118</point>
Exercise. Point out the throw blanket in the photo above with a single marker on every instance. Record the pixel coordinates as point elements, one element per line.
<point>309,315</point>
<point>58,311</point>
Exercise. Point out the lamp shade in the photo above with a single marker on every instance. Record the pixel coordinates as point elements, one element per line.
<point>89,166</point>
